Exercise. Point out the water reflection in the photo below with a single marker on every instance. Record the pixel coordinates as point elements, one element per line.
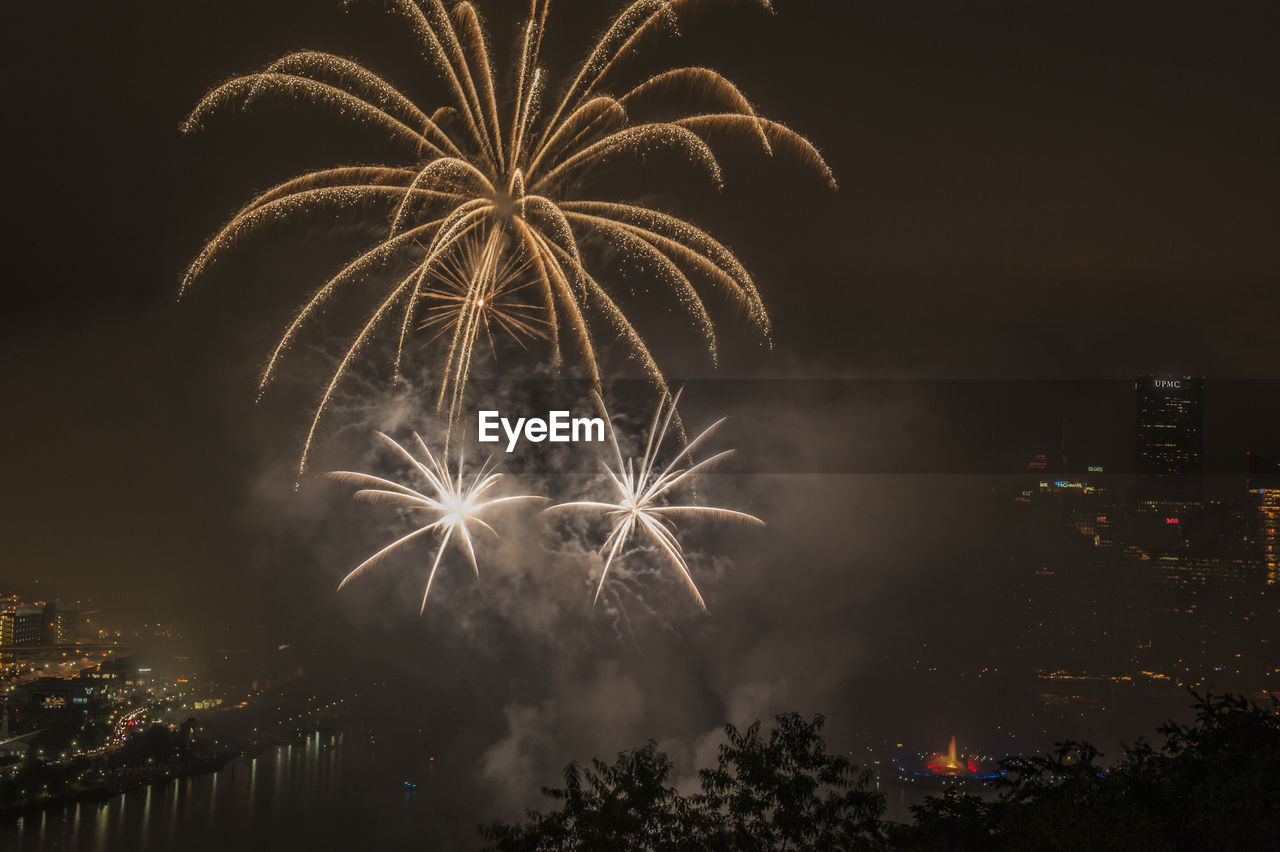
<point>319,794</point>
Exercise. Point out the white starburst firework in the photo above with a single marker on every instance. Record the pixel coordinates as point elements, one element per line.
<point>455,505</point>
<point>640,509</point>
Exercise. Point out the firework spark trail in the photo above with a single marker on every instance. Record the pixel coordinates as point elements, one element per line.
<point>472,292</point>
<point>456,504</point>
<point>641,510</point>
<point>521,184</point>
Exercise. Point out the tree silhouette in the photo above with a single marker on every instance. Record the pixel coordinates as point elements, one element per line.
<point>780,792</point>
<point>1211,785</point>
<point>786,792</point>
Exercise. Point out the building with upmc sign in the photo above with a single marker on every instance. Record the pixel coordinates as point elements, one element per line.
<point>1170,437</point>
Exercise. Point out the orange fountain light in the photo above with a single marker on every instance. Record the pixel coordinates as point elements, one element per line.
<point>951,763</point>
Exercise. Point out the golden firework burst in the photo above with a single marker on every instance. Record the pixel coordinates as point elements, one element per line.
<point>514,170</point>
<point>478,289</point>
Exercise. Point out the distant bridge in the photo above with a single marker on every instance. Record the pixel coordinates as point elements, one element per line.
<point>80,649</point>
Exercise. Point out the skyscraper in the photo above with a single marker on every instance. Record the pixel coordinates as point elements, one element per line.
<point>1170,437</point>
<point>1264,510</point>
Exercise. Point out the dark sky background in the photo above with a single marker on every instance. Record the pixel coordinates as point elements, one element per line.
<point>1059,194</point>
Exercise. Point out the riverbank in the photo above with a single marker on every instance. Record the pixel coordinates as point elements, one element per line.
<point>114,782</point>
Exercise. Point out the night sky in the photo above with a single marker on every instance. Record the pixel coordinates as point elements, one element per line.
<point>1043,192</point>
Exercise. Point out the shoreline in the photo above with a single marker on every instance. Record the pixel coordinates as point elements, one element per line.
<point>124,781</point>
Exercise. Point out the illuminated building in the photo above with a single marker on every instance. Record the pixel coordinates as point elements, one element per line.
<point>20,625</point>
<point>34,623</point>
<point>1191,575</point>
<point>1170,436</point>
<point>49,624</point>
<point>1268,509</point>
<point>64,626</point>
<point>1264,512</point>
<point>52,693</point>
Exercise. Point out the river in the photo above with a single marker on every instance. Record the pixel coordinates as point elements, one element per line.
<point>328,792</point>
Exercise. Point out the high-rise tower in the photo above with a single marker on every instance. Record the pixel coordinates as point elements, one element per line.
<point>1170,437</point>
